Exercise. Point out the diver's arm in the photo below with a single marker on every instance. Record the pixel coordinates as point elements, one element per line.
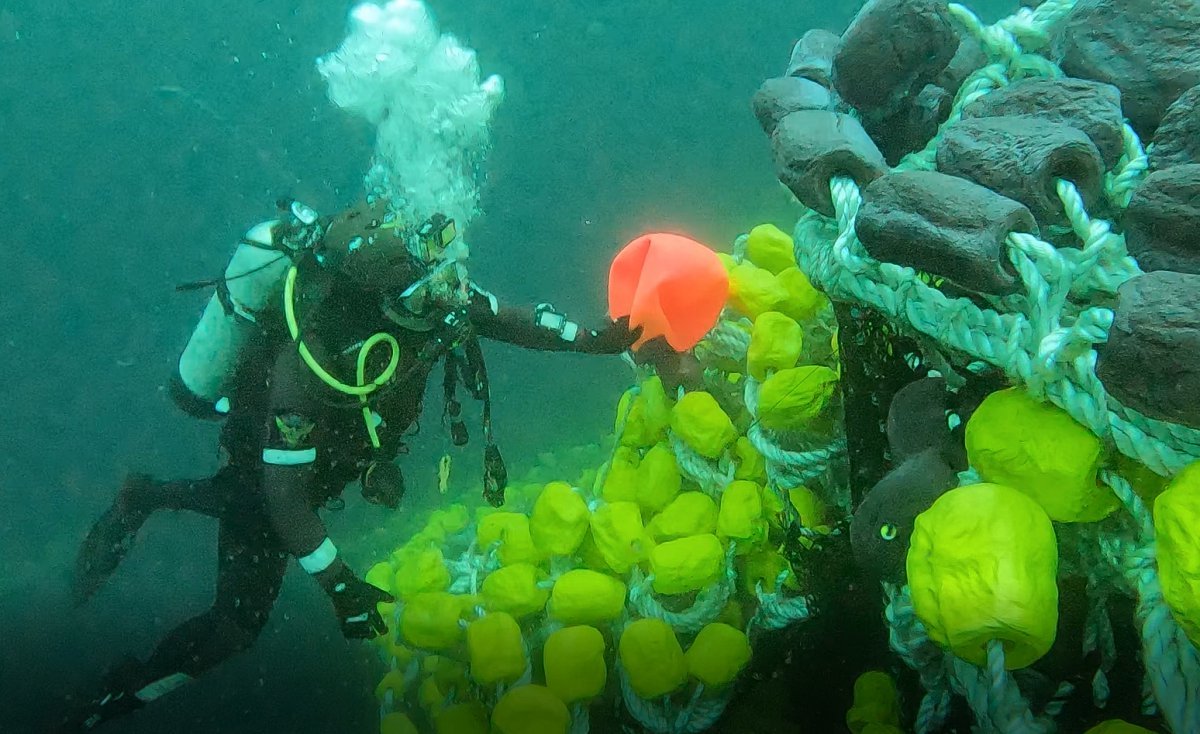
<point>300,529</point>
<point>289,457</point>
<point>288,464</point>
<point>543,328</point>
<point>303,535</point>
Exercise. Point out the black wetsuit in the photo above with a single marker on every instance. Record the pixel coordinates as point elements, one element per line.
<point>268,512</point>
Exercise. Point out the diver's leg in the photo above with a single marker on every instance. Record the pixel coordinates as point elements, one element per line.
<point>250,572</point>
<point>205,496</point>
<point>249,575</point>
<point>113,532</point>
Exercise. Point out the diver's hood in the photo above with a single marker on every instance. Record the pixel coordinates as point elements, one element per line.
<point>369,250</point>
<point>381,264</point>
<point>362,247</point>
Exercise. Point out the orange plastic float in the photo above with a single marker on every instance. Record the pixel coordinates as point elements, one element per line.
<point>669,285</point>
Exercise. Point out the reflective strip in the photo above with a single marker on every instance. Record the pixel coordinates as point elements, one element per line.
<point>492,301</point>
<point>222,406</point>
<point>285,457</point>
<point>546,317</point>
<point>320,559</point>
<point>162,687</point>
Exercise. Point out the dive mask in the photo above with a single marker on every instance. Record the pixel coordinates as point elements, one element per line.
<point>434,236</point>
<point>443,282</point>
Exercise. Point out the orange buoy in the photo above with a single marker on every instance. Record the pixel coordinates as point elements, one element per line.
<point>669,285</point>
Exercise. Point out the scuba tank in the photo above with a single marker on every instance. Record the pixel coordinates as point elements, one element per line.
<point>228,331</point>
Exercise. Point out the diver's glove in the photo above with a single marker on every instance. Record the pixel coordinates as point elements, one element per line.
<point>354,601</point>
<point>383,484</point>
<point>614,338</point>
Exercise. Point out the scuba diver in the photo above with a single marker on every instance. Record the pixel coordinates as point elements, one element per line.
<point>304,300</point>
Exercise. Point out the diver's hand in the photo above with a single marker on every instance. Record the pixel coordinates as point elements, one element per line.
<point>614,338</point>
<point>354,601</point>
<point>383,484</point>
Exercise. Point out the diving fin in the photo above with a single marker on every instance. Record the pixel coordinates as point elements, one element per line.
<point>113,699</point>
<point>109,540</point>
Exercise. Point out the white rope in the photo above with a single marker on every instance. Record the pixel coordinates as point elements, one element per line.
<point>775,609</point>
<point>730,338</point>
<point>581,720</point>
<point>1172,662</point>
<point>909,639</point>
<point>1045,340</point>
<point>712,476</point>
<point>709,603</point>
<point>662,716</point>
<point>1047,347</point>
<point>787,468</point>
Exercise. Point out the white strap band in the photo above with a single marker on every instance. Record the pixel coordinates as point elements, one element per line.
<point>546,317</point>
<point>162,687</point>
<point>320,559</point>
<point>493,303</point>
<point>285,457</point>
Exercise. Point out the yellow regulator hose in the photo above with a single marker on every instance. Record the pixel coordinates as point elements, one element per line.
<point>364,387</point>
